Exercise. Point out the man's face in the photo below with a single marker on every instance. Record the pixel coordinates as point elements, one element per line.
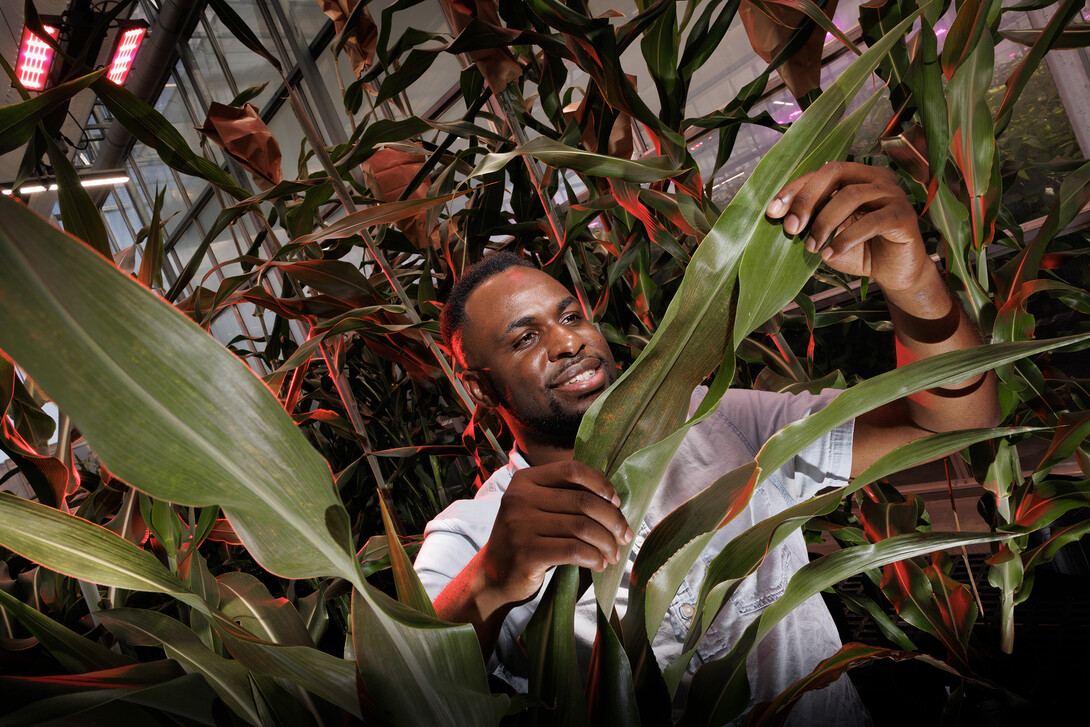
<point>543,363</point>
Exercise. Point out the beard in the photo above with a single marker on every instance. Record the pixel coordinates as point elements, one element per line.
<point>552,424</point>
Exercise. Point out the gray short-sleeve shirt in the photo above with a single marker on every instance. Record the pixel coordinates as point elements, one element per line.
<point>729,438</point>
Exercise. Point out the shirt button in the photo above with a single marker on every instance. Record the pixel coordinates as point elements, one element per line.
<point>687,610</point>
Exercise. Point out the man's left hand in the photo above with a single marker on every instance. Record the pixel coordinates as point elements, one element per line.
<point>860,221</point>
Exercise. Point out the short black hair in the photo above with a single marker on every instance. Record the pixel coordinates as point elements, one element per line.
<point>453,318</point>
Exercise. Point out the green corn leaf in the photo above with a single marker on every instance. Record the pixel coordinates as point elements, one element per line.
<point>112,695</point>
<point>79,214</point>
<point>744,553</point>
<point>1045,552</point>
<point>228,678</point>
<point>17,121</point>
<point>865,606</point>
<point>74,652</point>
<point>152,128</point>
<point>560,156</point>
<point>965,32</point>
<point>75,547</point>
<point>649,399</point>
<point>169,427</point>
<point>178,416</point>
<point>1053,36</point>
<point>443,659</point>
<point>327,676</point>
<point>242,32</point>
<point>720,688</point>
<point>410,590</point>
<point>550,643</point>
<point>1074,194</point>
<point>828,671</point>
<point>972,139</point>
<point>245,600</point>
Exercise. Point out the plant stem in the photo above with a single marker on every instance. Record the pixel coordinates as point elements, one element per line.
<point>379,259</point>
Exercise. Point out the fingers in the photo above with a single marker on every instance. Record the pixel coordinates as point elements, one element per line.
<point>571,474</point>
<point>800,200</point>
<point>884,222</point>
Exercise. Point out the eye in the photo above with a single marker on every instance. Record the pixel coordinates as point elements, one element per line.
<point>572,317</point>
<point>524,340</point>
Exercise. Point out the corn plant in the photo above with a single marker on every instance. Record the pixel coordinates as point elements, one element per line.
<point>238,550</point>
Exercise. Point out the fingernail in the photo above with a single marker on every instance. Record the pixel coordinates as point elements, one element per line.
<point>791,224</point>
<point>811,244</point>
<point>826,253</point>
<point>776,207</point>
<point>616,499</point>
<point>628,535</point>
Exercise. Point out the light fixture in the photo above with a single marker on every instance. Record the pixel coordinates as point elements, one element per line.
<point>35,58</point>
<point>129,37</point>
<point>102,178</point>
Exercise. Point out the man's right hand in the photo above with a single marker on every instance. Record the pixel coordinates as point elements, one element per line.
<point>563,513</point>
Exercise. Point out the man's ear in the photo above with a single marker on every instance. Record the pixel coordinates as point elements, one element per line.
<point>479,388</point>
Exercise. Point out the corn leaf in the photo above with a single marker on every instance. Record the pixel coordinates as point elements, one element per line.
<point>77,548</point>
<point>17,121</point>
<point>247,602</point>
<point>74,652</point>
<point>720,688</point>
<point>230,679</point>
<point>443,659</point>
<point>558,155</point>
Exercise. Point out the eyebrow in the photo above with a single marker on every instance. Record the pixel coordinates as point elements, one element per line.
<point>527,320</point>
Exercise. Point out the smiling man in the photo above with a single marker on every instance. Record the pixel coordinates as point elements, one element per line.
<point>529,353</point>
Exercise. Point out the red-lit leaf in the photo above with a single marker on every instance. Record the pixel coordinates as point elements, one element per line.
<point>497,65</point>
<point>825,673</point>
<point>243,135</point>
<point>361,36</point>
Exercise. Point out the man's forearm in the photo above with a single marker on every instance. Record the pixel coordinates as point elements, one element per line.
<point>928,320</point>
<point>470,598</point>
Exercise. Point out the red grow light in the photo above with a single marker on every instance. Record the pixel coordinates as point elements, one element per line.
<point>35,57</point>
<point>128,43</point>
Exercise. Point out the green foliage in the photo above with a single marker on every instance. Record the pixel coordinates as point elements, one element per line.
<point>217,519</point>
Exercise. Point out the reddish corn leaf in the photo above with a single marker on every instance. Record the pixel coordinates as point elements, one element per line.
<point>953,600</point>
<point>222,532</point>
<point>620,137</point>
<point>497,65</point>
<point>387,173</point>
<point>825,673</point>
<point>771,24</point>
<point>243,135</point>
<point>361,39</point>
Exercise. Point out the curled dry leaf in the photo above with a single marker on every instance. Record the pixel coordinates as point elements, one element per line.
<point>242,134</point>
<point>360,45</point>
<point>620,136</point>
<point>497,65</point>
<point>767,33</point>
<point>387,173</point>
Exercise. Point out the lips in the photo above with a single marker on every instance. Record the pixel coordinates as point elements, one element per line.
<point>585,375</point>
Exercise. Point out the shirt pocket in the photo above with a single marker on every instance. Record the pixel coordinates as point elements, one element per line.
<point>753,595</point>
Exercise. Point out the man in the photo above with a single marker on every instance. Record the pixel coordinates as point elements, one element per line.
<point>528,352</point>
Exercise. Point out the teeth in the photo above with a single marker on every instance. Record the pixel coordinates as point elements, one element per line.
<point>581,377</point>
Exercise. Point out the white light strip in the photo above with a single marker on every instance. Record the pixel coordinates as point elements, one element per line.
<point>93,182</point>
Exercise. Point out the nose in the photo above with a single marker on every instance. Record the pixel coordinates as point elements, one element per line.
<point>565,342</point>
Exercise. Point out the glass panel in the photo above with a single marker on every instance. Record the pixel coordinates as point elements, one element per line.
<point>157,175</point>
<point>306,18</point>
<point>113,214</point>
<point>285,128</point>
<point>427,16</point>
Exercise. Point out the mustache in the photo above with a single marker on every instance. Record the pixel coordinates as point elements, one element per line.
<point>562,373</point>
